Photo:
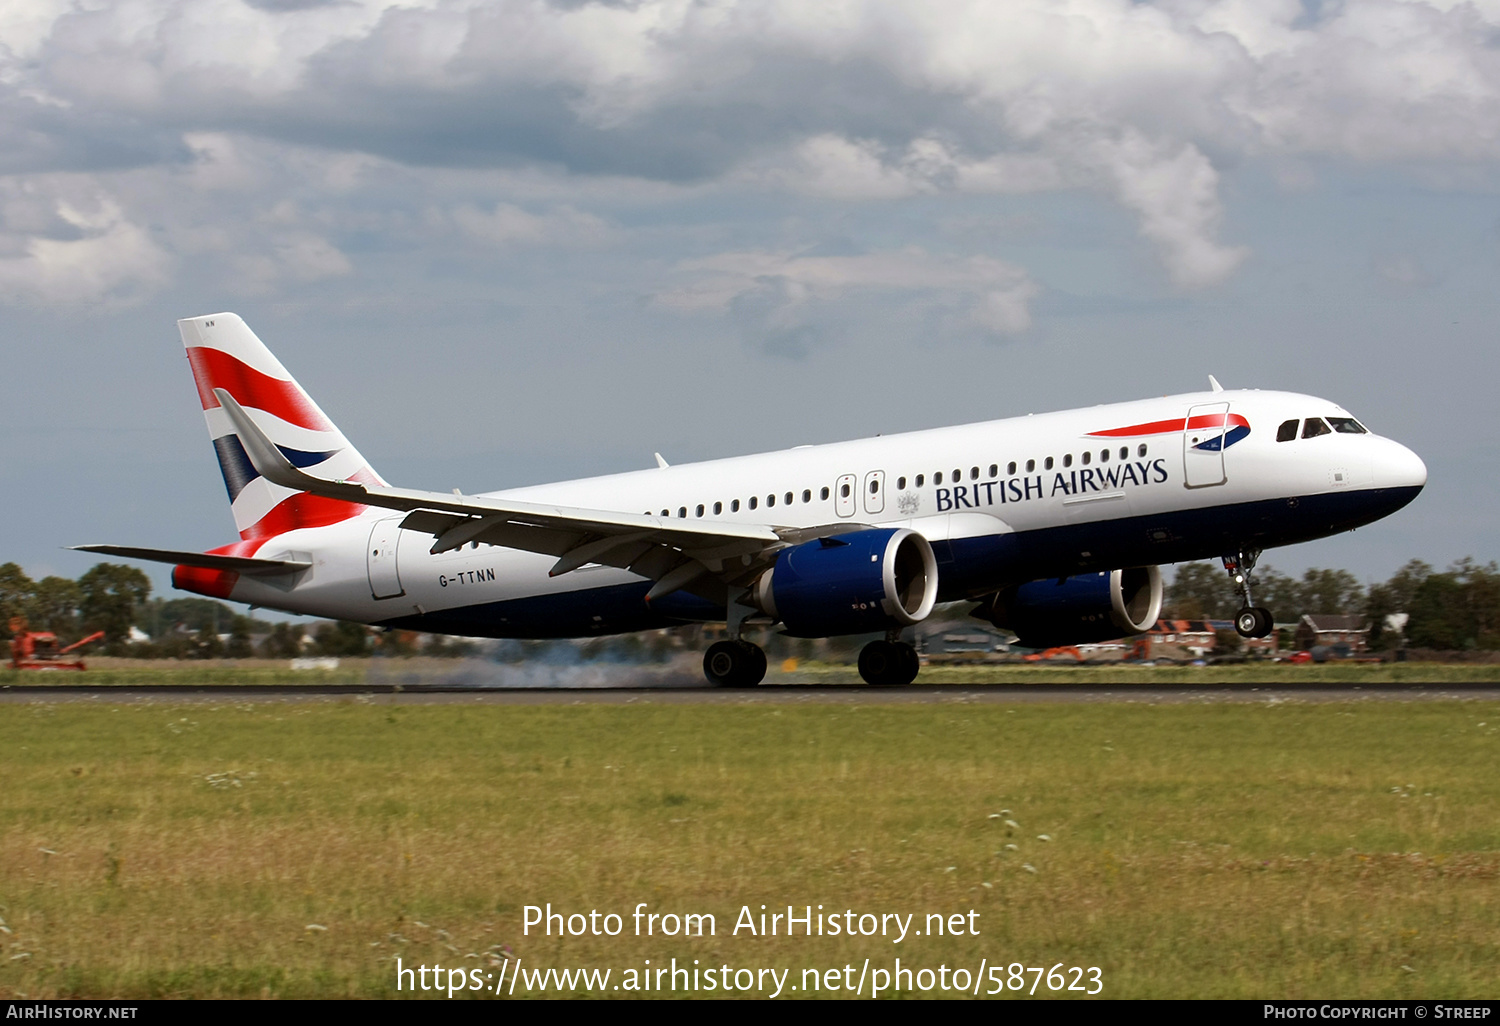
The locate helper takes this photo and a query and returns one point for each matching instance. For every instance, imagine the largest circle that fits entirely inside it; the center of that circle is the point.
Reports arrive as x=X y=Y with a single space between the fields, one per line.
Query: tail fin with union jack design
x=225 y=353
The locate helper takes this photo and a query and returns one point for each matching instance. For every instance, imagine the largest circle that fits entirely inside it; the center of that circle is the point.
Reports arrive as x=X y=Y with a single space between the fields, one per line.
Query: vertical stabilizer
x=225 y=353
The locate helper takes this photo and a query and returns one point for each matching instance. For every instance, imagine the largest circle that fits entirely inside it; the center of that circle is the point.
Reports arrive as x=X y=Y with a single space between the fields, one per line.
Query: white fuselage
x=1002 y=502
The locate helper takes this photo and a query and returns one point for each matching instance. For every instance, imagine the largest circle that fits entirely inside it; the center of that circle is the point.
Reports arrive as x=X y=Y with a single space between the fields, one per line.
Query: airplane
x=1055 y=525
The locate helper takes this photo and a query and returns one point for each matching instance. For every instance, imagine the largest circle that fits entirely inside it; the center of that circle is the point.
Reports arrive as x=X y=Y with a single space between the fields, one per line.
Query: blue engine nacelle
x=853 y=583
x=1078 y=610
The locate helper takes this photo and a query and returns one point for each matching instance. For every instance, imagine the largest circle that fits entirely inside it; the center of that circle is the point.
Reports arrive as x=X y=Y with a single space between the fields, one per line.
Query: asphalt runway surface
x=835 y=694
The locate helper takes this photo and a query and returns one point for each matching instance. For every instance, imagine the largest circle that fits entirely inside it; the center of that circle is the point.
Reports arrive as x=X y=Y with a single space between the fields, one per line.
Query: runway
x=425 y=694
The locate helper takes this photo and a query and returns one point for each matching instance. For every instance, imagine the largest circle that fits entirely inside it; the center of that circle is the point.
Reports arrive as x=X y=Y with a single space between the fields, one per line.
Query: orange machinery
x=37 y=650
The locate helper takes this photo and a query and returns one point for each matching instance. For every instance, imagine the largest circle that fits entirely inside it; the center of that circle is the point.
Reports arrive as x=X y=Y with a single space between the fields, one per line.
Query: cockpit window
x=1287 y=431
x=1347 y=426
x=1314 y=427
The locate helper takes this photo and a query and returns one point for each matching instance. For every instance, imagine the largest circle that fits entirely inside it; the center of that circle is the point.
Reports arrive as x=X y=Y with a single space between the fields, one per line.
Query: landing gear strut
x=888 y=662
x=734 y=664
x=1251 y=621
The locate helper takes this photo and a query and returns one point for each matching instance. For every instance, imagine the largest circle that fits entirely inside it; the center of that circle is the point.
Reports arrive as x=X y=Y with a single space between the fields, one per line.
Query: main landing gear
x=734 y=664
x=888 y=662
x=1251 y=621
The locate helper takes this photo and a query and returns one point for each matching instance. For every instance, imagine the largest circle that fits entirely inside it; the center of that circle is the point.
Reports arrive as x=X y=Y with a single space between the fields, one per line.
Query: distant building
x=1345 y=635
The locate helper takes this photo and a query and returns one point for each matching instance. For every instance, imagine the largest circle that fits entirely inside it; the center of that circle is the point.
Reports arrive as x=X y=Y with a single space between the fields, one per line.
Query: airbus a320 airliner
x=1053 y=524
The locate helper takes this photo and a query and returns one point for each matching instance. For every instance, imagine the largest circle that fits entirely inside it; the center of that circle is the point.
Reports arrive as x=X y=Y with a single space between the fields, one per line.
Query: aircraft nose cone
x=1399 y=467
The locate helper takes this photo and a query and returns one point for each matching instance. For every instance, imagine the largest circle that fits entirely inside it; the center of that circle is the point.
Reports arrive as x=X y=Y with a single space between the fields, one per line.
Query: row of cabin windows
x=1312 y=427
x=958 y=475
x=1011 y=468
x=752 y=503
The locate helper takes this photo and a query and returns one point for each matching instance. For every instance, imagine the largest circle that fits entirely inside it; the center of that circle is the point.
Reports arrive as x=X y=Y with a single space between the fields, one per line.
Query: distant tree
x=54 y=606
x=16 y=591
x=284 y=642
x=343 y=639
x=1332 y=593
x=111 y=593
x=239 y=646
x=1281 y=594
x=1459 y=608
x=192 y=614
x=1201 y=591
x=396 y=643
x=207 y=644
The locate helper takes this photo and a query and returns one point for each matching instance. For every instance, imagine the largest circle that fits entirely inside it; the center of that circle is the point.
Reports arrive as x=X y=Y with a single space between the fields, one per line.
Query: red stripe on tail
x=214 y=368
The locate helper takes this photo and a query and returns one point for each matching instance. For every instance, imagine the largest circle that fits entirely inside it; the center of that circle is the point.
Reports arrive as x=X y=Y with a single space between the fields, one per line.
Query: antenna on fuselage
x=1213 y=383
x=663 y=464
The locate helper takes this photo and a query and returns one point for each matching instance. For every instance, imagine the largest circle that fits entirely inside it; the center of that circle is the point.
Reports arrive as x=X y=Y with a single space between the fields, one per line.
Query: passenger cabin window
x=788 y=498
x=1141 y=452
x=973 y=473
x=1313 y=427
x=1347 y=426
x=900 y=483
x=1124 y=453
x=807 y=495
x=1030 y=466
x=754 y=501
x=824 y=493
x=682 y=511
x=920 y=478
x=874 y=486
x=699 y=511
x=1068 y=460
x=734 y=505
x=1087 y=458
x=843 y=491
x=1287 y=431
x=958 y=475
x=666 y=512
x=718 y=508
x=937 y=478
x=994 y=470
x=1047 y=464
x=1010 y=468
x=770 y=501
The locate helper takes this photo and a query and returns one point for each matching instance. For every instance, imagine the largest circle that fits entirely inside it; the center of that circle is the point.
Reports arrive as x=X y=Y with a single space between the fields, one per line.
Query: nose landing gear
x=1251 y=621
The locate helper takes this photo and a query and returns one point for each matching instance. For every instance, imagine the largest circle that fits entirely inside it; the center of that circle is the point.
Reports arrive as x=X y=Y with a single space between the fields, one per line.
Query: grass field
x=1345 y=849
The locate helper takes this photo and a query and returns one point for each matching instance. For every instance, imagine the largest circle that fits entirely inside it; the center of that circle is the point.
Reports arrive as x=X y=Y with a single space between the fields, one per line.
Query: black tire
x=885 y=663
x=734 y=664
x=1267 y=622
x=1247 y=622
x=910 y=664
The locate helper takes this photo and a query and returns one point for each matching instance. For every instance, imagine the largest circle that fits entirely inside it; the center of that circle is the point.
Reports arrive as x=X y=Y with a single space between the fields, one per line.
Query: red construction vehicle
x=37 y=650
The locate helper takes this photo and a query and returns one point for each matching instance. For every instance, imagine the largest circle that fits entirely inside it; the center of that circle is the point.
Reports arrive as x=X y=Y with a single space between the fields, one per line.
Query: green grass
x=1345 y=849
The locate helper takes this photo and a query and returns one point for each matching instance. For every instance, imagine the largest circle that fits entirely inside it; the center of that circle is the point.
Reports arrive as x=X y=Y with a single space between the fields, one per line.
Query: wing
x=713 y=559
x=243 y=564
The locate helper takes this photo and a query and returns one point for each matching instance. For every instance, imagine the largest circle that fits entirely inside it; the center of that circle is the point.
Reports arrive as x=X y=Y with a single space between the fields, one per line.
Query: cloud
x=778 y=290
x=510 y=225
x=88 y=253
x=1146 y=104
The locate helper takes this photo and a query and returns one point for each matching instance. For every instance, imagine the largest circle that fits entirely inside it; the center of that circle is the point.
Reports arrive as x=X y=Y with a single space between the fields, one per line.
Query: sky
x=504 y=243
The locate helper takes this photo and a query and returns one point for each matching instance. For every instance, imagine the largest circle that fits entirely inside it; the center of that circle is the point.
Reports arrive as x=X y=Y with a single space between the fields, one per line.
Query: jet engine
x=1079 y=609
x=853 y=583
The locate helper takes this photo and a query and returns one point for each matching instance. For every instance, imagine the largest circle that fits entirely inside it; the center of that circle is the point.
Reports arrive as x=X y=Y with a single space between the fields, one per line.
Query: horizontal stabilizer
x=207 y=560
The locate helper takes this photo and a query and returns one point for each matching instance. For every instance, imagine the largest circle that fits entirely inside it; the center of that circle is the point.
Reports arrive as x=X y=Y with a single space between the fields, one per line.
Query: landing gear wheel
x=1253 y=622
x=888 y=663
x=734 y=664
